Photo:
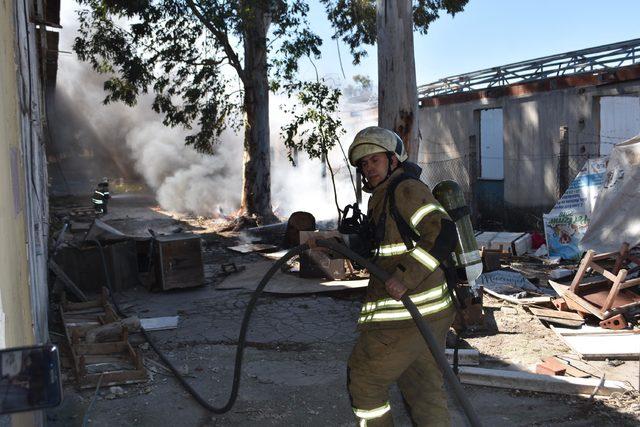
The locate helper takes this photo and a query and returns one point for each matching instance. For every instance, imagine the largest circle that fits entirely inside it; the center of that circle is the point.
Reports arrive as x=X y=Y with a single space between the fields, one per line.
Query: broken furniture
x=603 y=298
x=111 y=363
x=83 y=265
x=177 y=262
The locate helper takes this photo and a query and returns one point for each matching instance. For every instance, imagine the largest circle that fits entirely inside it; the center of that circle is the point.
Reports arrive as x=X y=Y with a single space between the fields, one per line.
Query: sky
x=489 y=33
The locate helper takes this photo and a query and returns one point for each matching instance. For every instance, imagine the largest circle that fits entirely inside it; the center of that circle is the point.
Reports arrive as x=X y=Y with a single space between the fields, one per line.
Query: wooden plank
x=584 y=264
x=575 y=362
x=113 y=378
x=572 y=370
x=556 y=313
x=630 y=283
x=541 y=383
x=599 y=346
x=563 y=322
x=601 y=270
x=101 y=348
x=68 y=283
x=590 y=308
x=519 y=301
x=594 y=330
x=615 y=289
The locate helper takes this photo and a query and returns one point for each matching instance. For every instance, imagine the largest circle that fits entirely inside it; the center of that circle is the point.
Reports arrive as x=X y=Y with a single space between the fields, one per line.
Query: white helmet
x=373 y=140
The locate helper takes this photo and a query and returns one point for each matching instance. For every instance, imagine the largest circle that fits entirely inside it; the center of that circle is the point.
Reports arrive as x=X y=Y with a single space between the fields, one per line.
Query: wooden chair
x=615 y=280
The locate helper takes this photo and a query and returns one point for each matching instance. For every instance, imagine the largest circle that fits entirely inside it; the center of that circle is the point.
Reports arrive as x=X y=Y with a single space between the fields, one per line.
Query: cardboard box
x=514 y=243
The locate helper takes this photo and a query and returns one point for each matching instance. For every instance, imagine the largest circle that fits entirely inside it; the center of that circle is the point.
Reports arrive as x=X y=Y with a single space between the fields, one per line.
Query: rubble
x=301 y=340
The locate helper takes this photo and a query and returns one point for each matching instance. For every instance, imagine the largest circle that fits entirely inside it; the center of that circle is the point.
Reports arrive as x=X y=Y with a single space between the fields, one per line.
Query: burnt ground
x=295 y=363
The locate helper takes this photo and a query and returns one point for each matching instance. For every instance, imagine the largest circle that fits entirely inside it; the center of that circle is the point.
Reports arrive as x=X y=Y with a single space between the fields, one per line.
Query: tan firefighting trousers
x=384 y=356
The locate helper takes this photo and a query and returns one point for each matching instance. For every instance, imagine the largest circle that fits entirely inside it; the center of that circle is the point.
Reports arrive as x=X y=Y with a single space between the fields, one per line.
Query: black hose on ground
x=377 y=272
x=241 y=338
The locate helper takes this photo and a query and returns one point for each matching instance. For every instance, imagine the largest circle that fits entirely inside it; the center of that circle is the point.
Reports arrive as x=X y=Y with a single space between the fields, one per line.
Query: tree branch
x=222 y=38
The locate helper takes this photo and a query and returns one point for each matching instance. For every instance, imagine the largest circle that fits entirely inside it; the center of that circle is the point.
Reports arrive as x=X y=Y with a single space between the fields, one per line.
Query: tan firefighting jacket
x=416 y=268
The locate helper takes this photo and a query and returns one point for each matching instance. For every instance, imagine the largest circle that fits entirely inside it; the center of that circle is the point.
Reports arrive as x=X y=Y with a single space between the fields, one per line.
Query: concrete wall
x=535 y=152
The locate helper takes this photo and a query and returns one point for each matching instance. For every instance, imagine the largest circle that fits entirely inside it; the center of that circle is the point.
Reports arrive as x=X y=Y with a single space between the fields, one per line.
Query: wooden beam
x=584 y=304
x=615 y=289
x=545 y=312
x=68 y=283
x=584 y=264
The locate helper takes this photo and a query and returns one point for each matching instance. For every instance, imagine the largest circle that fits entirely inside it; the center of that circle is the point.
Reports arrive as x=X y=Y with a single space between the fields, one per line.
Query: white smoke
x=183 y=179
x=187 y=181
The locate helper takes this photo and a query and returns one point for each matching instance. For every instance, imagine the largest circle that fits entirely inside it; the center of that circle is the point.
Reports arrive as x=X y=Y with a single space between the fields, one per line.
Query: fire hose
x=332 y=245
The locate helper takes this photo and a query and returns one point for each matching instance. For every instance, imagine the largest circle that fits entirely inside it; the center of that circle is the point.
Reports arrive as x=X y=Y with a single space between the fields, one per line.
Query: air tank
x=467 y=256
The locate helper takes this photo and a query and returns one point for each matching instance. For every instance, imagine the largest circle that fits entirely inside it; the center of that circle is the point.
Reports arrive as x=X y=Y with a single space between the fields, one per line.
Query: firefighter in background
x=101 y=197
x=390 y=348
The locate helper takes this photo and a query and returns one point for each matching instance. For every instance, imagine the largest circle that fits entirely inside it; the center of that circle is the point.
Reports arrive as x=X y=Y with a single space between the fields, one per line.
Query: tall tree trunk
x=397 y=90
x=256 y=179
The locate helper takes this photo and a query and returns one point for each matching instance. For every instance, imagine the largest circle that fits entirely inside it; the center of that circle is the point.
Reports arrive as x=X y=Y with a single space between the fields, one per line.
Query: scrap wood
x=578 y=367
x=542 y=383
x=571 y=370
x=519 y=301
x=91 y=361
x=599 y=299
x=68 y=283
x=550 y=366
x=598 y=344
x=112 y=330
x=555 y=316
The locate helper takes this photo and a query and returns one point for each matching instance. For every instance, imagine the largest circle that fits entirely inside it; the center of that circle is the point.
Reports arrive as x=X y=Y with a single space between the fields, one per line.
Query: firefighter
x=390 y=348
x=101 y=197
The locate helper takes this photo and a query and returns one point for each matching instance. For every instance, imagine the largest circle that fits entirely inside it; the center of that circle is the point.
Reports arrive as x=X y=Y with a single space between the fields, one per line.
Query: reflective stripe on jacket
x=417 y=269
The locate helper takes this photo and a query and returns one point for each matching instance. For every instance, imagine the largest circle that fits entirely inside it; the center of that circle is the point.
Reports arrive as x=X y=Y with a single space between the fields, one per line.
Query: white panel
x=619 y=120
x=491 y=144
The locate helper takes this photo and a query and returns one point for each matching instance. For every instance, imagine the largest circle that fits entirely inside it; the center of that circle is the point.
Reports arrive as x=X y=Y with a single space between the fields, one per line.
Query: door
x=491 y=180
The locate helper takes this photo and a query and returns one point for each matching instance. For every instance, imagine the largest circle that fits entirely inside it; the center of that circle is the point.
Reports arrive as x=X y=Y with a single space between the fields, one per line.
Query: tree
x=391 y=24
x=207 y=62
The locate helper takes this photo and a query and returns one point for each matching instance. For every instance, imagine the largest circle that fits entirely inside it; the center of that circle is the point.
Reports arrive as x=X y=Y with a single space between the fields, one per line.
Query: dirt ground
x=294 y=370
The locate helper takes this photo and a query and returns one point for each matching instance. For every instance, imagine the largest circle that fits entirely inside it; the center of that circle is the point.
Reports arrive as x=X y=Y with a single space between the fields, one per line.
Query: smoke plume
x=131 y=142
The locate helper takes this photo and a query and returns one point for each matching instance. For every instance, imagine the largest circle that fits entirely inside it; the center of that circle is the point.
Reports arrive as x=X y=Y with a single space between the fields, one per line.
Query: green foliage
x=314 y=127
x=189 y=55
x=364 y=81
x=354 y=21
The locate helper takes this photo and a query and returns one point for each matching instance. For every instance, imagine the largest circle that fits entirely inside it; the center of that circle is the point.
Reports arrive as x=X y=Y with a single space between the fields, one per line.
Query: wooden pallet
x=110 y=363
